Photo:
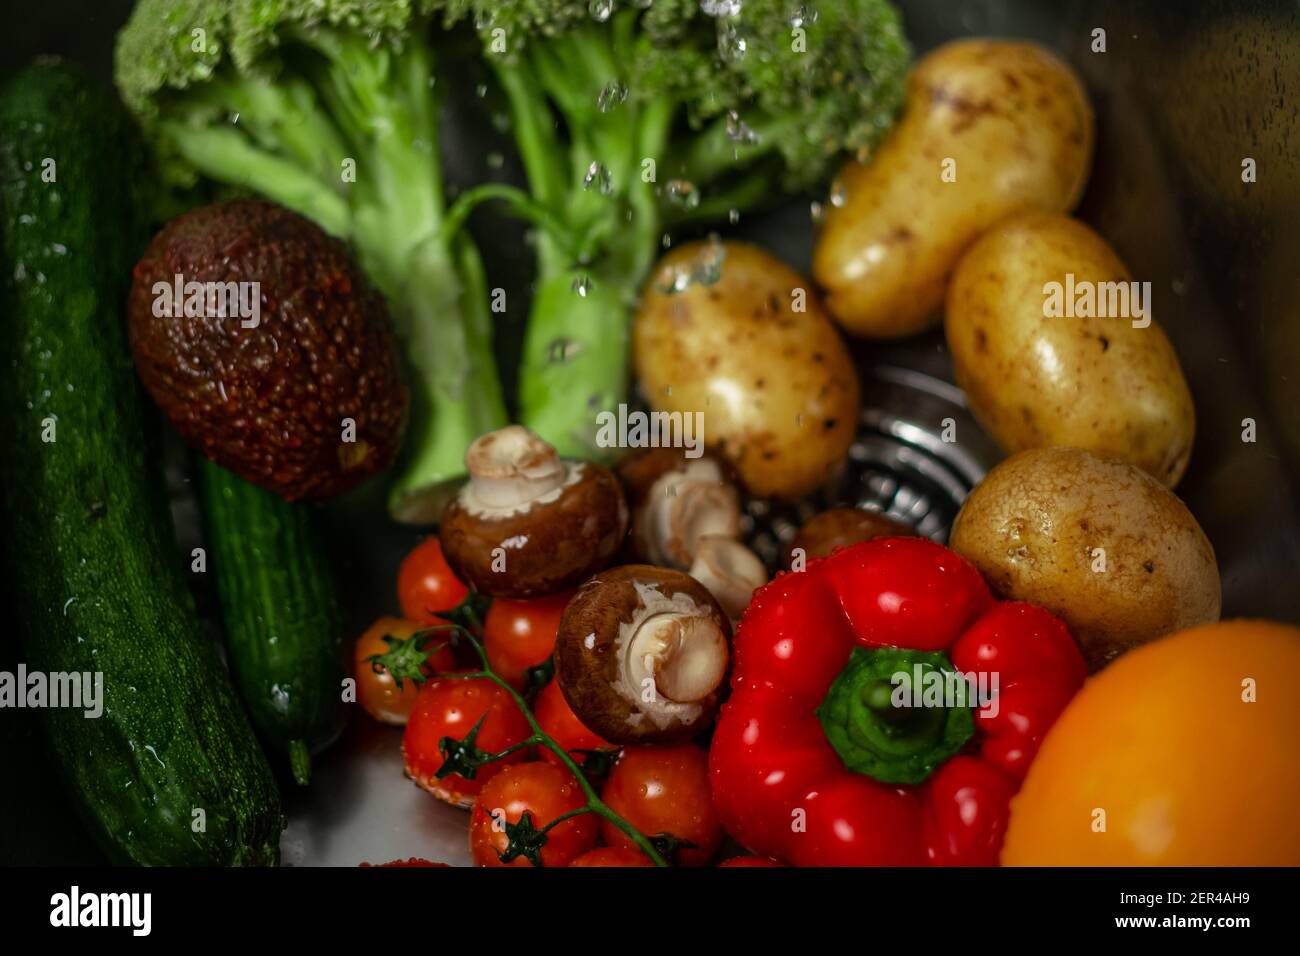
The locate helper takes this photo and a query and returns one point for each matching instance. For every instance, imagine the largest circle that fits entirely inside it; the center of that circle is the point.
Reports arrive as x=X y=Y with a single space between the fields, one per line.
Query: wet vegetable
x=1039 y=374
x=300 y=393
x=753 y=355
x=1099 y=543
x=990 y=128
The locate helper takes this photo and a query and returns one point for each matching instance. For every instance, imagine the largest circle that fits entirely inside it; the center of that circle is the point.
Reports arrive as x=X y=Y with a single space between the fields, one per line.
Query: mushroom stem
x=729 y=570
x=685 y=505
x=511 y=467
x=685 y=655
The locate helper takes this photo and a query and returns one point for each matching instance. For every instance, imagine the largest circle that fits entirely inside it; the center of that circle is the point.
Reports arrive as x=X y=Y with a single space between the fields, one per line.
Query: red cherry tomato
x=612 y=856
x=664 y=790
x=518 y=635
x=377 y=691
x=740 y=861
x=426 y=585
x=450 y=707
x=562 y=724
x=410 y=861
x=544 y=793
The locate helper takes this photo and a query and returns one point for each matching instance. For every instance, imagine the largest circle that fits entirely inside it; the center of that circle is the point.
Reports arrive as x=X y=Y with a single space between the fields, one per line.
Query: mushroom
x=729 y=570
x=528 y=523
x=641 y=654
x=675 y=501
x=839 y=528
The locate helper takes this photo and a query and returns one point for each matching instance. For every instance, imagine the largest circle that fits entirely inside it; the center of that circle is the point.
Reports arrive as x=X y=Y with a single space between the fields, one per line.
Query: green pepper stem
x=883 y=737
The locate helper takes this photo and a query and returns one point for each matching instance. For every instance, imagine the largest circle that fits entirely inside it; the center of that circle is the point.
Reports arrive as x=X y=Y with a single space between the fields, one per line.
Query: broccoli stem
x=575 y=354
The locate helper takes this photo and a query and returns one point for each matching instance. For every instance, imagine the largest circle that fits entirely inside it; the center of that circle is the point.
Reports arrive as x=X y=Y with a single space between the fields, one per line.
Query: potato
x=1009 y=121
x=1100 y=543
x=1100 y=384
x=746 y=342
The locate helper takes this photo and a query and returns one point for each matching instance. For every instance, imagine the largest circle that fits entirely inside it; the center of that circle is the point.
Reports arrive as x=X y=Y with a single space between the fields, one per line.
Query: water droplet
x=738 y=131
x=721 y=8
x=732 y=44
x=598 y=173
x=703 y=269
x=481 y=91
x=818 y=211
x=613 y=94
x=581 y=285
x=682 y=192
x=234 y=119
x=839 y=194
x=601 y=10
x=495 y=160
x=563 y=350
x=803 y=16
x=733 y=216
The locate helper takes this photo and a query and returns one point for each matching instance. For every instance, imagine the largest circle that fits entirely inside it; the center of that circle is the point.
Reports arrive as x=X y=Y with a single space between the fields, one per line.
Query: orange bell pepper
x=1185 y=752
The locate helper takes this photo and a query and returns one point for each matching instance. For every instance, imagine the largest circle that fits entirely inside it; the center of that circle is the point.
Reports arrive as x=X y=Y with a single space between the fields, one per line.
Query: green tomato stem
x=542 y=738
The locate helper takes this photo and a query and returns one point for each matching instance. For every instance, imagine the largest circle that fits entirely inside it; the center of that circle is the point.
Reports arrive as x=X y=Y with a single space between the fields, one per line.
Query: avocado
x=260 y=338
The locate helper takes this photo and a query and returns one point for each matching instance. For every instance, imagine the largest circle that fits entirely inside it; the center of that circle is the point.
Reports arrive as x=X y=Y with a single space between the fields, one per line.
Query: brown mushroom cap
x=527 y=523
x=839 y=528
x=641 y=655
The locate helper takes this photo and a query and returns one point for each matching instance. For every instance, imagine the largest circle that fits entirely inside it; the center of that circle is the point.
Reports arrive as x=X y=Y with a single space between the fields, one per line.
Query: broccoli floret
x=328 y=107
x=635 y=116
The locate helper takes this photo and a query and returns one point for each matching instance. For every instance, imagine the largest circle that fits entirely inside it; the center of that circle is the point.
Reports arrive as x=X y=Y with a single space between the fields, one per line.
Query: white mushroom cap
x=729 y=570
x=510 y=470
x=682 y=506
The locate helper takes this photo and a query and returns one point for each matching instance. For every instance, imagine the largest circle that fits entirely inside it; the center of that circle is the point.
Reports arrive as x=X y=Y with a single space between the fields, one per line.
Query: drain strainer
x=917 y=454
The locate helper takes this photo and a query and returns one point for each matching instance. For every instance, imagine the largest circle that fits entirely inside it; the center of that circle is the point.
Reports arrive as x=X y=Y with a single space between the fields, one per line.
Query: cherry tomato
x=426 y=585
x=518 y=635
x=612 y=856
x=739 y=861
x=377 y=691
x=664 y=790
x=544 y=793
x=450 y=707
x=410 y=861
x=562 y=724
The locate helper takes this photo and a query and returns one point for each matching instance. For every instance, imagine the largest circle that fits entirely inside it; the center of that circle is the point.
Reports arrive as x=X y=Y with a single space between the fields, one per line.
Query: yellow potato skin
x=1017 y=122
x=1032 y=381
x=777 y=387
x=1033 y=525
x=1188 y=771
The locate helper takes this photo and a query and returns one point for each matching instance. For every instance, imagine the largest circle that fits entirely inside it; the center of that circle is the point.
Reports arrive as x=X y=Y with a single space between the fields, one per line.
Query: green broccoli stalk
x=328 y=107
x=632 y=117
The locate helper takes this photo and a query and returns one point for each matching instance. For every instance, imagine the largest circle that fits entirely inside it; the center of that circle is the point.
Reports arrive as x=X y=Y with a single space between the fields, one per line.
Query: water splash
x=598 y=174
x=613 y=94
x=682 y=193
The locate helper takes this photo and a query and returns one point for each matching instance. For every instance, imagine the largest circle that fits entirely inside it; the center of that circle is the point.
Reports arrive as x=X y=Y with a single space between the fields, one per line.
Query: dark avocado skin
x=270 y=403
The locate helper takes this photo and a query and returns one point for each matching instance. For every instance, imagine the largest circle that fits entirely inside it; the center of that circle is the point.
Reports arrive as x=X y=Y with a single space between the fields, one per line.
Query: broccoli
x=329 y=107
x=636 y=116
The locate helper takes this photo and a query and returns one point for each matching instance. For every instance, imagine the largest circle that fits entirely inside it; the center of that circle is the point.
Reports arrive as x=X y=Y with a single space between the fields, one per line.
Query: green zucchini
x=284 y=631
x=170 y=772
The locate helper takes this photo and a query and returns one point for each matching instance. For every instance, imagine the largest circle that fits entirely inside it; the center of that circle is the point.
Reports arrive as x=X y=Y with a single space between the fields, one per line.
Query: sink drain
x=917 y=454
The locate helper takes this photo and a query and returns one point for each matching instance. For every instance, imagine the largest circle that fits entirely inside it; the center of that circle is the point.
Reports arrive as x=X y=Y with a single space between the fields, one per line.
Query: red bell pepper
x=851 y=738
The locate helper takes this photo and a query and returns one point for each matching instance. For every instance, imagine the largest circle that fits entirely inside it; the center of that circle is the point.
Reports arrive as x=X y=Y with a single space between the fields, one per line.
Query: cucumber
x=284 y=630
x=170 y=773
